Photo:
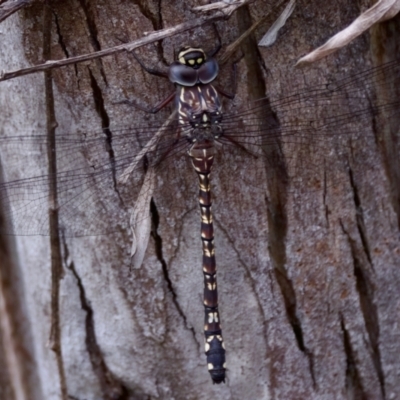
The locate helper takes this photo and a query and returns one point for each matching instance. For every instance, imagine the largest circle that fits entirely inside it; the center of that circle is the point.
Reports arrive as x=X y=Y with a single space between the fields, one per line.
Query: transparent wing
x=99 y=175
x=96 y=181
x=311 y=132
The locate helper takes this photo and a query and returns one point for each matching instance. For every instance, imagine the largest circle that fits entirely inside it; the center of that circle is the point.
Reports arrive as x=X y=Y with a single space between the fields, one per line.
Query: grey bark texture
x=309 y=280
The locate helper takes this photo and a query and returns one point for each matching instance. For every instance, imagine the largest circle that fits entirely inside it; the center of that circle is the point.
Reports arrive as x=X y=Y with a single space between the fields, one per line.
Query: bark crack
x=365 y=289
x=61 y=41
x=387 y=138
x=324 y=196
x=158 y=244
x=53 y=217
x=152 y=11
x=93 y=33
x=112 y=389
x=360 y=218
x=60 y=36
x=353 y=382
x=105 y=124
x=289 y=298
x=277 y=181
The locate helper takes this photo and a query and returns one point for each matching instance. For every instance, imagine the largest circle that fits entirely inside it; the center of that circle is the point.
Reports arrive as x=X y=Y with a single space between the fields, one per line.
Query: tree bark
x=308 y=279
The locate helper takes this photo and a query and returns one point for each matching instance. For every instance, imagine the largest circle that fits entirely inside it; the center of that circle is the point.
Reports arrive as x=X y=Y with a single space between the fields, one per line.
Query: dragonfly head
x=193 y=68
x=192 y=57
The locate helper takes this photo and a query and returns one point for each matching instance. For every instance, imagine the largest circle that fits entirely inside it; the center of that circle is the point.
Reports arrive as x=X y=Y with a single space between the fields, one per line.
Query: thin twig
x=150 y=38
x=233 y=46
x=226 y=6
x=11 y=6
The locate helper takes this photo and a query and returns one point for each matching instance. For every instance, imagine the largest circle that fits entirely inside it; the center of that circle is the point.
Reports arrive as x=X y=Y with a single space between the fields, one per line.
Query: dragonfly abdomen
x=202 y=155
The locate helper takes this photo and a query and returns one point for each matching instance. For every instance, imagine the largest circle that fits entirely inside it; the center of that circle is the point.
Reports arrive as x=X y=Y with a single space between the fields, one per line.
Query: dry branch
x=226 y=6
x=10 y=7
x=150 y=38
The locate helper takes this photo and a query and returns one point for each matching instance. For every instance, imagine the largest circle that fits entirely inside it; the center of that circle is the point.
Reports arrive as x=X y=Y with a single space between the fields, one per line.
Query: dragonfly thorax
x=204 y=127
x=199 y=113
x=206 y=120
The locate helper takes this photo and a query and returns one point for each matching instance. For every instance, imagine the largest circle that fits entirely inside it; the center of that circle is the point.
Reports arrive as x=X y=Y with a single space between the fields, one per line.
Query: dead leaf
x=270 y=37
x=381 y=11
x=140 y=221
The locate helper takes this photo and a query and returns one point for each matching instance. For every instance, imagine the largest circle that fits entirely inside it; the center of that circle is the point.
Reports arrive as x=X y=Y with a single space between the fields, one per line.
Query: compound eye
x=208 y=71
x=184 y=75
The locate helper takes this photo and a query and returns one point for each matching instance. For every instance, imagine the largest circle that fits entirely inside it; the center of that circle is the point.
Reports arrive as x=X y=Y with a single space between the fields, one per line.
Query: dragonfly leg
x=151 y=110
x=152 y=71
x=224 y=93
x=214 y=52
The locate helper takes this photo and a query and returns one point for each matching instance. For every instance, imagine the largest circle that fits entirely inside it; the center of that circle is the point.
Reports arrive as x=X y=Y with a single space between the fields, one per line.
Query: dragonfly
x=98 y=175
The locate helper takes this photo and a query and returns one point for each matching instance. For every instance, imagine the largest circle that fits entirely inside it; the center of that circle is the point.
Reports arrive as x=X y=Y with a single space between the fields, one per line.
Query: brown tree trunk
x=308 y=279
